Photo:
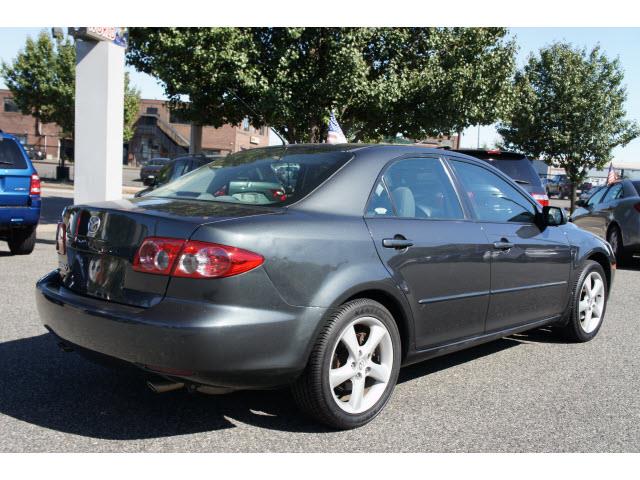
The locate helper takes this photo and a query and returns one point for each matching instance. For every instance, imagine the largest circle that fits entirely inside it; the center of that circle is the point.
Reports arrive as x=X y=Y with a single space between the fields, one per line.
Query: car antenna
x=252 y=110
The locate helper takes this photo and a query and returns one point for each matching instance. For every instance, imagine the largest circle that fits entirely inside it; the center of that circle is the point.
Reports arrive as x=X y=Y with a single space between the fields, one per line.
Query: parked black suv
x=517 y=166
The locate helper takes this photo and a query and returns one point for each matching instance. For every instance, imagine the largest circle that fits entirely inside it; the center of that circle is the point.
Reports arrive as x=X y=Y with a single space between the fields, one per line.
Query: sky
x=616 y=42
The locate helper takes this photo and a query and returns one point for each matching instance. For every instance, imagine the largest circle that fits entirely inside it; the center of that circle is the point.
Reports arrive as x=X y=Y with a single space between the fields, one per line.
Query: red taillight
x=61 y=238
x=495 y=151
x=34 y=188
x=157 y=255
x=210 y=260
x=541 y=199
x=637 y=207
x=193 y=259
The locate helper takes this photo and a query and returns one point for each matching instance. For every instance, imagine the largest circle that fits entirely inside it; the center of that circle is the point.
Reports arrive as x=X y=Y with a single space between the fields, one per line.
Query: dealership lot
x=523 y=393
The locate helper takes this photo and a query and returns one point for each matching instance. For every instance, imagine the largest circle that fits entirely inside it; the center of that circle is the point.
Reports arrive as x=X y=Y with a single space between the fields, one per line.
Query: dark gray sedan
x=322 y=267
x=613 y=213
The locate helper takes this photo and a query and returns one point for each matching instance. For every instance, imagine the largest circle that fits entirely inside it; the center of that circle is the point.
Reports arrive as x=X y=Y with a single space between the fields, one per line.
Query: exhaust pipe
x=163 y=387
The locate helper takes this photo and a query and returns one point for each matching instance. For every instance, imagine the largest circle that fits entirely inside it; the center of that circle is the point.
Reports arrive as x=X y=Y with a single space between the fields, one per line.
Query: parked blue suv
x=19 y=197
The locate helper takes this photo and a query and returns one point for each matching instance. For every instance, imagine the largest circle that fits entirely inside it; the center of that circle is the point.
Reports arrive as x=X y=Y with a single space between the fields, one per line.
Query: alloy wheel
x=591 y=303
x=361 y=365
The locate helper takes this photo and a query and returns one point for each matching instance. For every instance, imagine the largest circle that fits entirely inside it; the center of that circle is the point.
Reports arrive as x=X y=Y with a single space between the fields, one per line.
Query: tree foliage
x=379 y=81
x=131 y=104
x=42 y=82
x=569 y=110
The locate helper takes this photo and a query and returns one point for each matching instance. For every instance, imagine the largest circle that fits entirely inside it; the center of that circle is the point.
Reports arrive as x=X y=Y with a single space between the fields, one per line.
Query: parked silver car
x=613 y=213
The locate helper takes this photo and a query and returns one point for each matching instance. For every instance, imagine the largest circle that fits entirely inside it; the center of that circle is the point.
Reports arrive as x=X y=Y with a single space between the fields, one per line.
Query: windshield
x=269 y=176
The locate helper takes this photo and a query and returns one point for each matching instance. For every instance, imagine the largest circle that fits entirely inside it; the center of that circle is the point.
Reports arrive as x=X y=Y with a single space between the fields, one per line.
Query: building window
x=10 y=105
x=263 y=130
x=245 y=124
x=152 y=110
x=175 y=116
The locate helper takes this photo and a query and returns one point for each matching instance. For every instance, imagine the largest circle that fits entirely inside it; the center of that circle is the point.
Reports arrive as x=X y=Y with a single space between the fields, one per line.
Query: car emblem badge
x=93 y=226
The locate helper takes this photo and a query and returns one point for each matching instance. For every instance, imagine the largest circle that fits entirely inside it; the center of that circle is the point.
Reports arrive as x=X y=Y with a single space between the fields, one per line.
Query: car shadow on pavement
x=44 y=386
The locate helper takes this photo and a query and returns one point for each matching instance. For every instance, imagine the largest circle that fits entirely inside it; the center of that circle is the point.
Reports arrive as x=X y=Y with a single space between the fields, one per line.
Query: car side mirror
x=150 y=181
x=581 y=203
x=554 y=216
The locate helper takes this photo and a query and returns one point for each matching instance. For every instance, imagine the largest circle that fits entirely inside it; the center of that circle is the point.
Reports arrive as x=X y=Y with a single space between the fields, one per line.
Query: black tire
x=312 y=391
x=573 y=330
x=22 y=241
x=614 y=237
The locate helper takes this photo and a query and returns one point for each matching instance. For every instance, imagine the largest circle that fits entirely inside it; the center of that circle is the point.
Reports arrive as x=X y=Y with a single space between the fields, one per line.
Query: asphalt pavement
x=528 y=392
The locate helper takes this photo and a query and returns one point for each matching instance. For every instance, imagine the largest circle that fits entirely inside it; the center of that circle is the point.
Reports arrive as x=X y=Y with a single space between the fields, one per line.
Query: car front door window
x=491 y=197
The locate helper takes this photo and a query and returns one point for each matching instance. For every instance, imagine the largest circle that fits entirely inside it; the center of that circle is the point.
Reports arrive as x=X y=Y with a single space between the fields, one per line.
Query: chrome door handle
x=397 y=243
x=502 y=245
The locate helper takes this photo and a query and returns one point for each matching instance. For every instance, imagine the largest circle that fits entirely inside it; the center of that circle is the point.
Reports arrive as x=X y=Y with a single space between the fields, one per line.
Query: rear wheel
x=353 y=367
x=22 y=241
x=589 y=304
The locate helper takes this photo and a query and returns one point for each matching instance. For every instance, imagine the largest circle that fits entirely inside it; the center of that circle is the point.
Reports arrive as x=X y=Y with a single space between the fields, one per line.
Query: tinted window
x=420 y=188
x=492 y=198
x=596 y=197
x=637 y=187
x=257 y=177
x=10 y=155
x=614 y=192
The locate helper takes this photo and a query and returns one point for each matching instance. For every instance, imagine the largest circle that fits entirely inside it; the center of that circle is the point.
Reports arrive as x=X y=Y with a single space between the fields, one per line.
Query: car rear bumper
x=219 y=345
x=15 y=217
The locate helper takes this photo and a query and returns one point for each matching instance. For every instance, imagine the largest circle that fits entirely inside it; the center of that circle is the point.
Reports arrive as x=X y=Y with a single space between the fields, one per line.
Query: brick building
x=36 y=136
x=158 y=133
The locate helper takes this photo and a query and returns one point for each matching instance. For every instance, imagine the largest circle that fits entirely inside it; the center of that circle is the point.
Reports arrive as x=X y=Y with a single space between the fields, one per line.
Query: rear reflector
x=637 y=207
x=34 y=188
x=193 y=259
x=541 y=199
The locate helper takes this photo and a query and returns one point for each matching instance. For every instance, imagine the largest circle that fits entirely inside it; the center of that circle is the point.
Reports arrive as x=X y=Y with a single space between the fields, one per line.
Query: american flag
x=612 y=176
x=335 y=134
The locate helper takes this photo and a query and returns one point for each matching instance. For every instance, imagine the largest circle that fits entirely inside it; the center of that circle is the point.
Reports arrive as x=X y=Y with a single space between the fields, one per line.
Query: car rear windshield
x=270 y=176
x=637 y=185
x=10 y=155
x=515 y=165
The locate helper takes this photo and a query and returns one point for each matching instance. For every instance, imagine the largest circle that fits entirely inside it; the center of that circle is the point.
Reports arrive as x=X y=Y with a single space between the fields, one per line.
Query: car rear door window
x=596 y=197
x=380 y=203
x=614 y=193
x=492 y=198
x=419 y=188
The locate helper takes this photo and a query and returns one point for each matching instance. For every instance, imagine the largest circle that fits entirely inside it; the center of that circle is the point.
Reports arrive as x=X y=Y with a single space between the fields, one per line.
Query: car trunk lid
x=102 y=240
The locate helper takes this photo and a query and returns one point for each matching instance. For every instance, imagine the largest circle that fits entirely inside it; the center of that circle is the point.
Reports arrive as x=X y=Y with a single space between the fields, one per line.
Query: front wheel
x=589 y=304
x=353 y=367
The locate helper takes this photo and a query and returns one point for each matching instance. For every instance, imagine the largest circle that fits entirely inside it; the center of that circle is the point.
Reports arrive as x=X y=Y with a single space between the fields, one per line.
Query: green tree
x=569 y=110
x=379 y=81
x=42 y=82
x=131 y=104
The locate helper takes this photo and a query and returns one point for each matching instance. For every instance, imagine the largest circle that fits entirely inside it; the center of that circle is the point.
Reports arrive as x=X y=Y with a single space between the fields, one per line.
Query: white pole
x=98 y=121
